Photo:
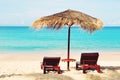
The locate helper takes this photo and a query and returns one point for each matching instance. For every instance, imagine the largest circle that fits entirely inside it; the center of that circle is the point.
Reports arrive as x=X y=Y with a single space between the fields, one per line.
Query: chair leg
x=41 y=66
x=59 y=70
x=44 y=71
x=98 y=69
x=77 y=66
x=84 y=69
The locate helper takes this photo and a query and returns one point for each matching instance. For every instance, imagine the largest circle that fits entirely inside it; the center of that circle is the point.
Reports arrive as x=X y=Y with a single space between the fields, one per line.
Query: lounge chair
x=88 y=61
x=50 y=64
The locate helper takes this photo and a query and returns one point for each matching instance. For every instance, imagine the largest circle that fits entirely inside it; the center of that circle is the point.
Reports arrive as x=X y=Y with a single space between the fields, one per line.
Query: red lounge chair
x=88 y=61
x=50 y=64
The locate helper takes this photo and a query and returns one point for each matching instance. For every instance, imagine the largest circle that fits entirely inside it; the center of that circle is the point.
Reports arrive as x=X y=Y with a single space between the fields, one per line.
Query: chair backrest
x=89 y=58
x=51 y=61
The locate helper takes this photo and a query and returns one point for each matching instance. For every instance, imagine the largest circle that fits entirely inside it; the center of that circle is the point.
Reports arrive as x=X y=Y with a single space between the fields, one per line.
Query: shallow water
x=23 y=38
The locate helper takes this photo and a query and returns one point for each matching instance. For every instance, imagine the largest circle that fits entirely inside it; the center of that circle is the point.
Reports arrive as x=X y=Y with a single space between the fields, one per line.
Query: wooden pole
x=68 y=53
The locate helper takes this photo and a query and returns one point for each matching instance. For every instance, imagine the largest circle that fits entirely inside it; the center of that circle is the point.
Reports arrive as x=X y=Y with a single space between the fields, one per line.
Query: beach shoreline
x=38 y=55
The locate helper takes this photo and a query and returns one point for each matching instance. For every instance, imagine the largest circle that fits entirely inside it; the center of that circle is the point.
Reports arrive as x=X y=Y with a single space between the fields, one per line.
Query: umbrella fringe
x=69 y=18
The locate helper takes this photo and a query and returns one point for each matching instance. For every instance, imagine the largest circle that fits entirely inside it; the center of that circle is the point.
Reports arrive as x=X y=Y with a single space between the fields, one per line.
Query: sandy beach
x=33 y=29
x=26 y=66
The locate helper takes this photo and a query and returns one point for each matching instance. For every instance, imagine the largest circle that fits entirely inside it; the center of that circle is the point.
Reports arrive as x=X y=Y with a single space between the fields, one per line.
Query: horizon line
x=29 y=26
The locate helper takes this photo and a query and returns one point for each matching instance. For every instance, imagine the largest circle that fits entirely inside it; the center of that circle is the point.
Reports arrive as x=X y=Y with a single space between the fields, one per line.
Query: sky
x=25 y=12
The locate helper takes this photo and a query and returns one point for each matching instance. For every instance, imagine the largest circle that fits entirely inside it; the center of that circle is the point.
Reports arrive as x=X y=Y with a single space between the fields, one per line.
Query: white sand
x=13 y=65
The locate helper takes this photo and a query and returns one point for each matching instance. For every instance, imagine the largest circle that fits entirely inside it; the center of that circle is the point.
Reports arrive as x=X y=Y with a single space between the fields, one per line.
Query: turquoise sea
x=23 y=38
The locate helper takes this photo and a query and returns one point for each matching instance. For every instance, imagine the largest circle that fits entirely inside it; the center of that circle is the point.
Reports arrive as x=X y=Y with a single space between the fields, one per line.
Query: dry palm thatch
x=69 y=18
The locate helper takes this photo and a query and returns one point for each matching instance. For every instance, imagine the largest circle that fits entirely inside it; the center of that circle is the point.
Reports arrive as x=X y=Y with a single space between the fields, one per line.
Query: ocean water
x=23 y=38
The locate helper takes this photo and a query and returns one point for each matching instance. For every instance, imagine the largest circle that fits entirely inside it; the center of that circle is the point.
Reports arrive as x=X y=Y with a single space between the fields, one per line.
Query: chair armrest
x=41 y=65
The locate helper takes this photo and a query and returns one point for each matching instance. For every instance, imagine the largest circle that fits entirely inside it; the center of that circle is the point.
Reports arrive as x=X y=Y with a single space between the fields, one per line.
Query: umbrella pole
x=68 y=54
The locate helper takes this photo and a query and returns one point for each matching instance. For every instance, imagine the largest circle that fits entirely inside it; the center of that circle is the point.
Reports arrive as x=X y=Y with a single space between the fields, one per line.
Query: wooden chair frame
x=50 y=64
x=88 y=61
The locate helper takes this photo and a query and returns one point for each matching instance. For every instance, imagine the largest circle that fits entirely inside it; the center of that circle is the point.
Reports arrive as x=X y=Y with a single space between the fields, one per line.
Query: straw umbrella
x=69 y=18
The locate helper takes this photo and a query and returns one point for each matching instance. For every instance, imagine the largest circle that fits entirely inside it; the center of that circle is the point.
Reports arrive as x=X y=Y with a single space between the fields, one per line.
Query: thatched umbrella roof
x=69 y=18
